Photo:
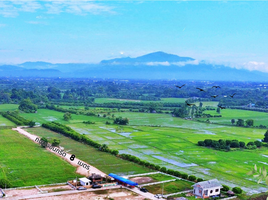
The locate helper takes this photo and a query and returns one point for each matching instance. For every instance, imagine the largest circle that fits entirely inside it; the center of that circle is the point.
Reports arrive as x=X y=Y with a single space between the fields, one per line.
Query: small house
x=205 y=189
x=95 y=178
x=84 y=181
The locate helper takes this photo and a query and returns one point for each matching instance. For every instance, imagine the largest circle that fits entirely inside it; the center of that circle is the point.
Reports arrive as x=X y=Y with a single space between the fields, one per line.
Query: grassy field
x=6 y=107
x=172 y=144
x=44 y=115
x=110 y=100
x=228 y=114
x=103 y=161
x=25 y=163
x=5 y=122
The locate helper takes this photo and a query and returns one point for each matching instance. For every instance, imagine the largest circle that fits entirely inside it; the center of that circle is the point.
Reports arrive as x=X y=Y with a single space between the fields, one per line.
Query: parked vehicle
x=158 y=196
x=143 y=189
x=96 y=186
x=81 y=188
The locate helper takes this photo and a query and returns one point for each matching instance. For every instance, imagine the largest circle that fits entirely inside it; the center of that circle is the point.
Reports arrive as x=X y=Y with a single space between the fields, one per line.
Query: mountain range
x=157 y=65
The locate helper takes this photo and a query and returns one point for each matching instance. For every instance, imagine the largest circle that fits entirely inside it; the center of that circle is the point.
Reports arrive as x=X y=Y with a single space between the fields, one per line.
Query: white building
x=206 y=189
x=84 y=181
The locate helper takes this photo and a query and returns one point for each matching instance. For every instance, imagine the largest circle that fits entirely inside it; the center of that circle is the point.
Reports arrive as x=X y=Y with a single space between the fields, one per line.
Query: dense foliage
x=17 y=119
x=227 y=144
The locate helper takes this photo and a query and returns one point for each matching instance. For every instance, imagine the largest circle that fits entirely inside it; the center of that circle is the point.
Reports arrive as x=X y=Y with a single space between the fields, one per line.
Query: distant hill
x=151 y=57
x=157 y=65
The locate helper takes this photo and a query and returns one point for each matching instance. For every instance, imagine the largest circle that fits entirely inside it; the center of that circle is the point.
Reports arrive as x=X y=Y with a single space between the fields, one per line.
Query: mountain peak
x=158 y=56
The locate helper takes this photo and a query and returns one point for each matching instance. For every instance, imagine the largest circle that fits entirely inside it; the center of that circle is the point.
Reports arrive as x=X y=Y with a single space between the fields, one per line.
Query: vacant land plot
x=169 y=187
x=101 y=160
x=228 y=114
x=26 y=163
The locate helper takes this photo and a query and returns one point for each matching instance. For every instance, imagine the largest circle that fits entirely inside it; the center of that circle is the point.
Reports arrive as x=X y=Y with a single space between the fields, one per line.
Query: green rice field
x=8 y=107
x=25 y=163
x=228 y=114
x=166 y=141
x=101 y=160
x=5 y=122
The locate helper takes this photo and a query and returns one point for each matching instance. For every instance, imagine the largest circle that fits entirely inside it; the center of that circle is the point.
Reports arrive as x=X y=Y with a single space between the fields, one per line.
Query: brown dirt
x=126 y=195
x=140 y=180
x=24 y=192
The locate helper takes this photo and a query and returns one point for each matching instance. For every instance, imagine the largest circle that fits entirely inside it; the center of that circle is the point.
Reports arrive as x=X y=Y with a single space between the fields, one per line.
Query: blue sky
x=82 y=31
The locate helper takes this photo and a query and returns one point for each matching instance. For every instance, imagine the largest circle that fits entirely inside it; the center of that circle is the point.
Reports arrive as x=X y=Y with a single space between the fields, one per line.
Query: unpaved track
x=80 y=170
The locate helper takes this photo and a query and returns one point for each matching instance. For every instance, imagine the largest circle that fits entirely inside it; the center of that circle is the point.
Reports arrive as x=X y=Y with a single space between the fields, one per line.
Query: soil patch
x=140 y=180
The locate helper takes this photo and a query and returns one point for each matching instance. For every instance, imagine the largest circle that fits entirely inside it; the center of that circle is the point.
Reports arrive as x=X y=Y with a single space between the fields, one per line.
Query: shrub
x=258 y=143
x=192 y=178
x=199 y=180
x=225 y=188
x=207 y=142
x=237 y=190
x=250 y=143
x=184 y=176
x=242 y=144
x=163 y=169
x=201 y=143
x=4 y=183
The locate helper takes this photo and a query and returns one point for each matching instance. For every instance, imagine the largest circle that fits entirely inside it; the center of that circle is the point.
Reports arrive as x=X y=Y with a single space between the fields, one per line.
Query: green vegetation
x=170 y=187
x=25 y=163
x=101 y=160
x=26 y=105
x=17 y=119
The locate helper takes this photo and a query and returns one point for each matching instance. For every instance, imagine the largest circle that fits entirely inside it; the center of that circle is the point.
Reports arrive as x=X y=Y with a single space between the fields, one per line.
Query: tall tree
x=240 y=122
x=232 y=121
x=265 y=139
x=250 y=122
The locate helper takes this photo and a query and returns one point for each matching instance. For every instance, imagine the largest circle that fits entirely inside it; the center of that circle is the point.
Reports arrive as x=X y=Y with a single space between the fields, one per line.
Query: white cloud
x=12 y=8
x=158 y=63
x=180 y=64
x=253 y=65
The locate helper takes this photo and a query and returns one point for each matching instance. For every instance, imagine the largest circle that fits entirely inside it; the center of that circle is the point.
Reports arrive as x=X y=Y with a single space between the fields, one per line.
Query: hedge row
x=227 y=144
x=14 y=117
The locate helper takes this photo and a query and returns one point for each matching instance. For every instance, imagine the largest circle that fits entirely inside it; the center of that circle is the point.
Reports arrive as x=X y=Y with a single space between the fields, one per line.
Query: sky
x=233 y=33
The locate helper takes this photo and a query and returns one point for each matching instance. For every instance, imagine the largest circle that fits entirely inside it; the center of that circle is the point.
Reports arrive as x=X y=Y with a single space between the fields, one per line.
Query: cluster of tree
x=67 y=116
x=236 y=190
x=121 y=121
x=209 y=115
x=88 y=122
x=227 y=144
x=17 y=119
x=26 y=105
x=70 y=110
x=84 y=91
x=241 y=122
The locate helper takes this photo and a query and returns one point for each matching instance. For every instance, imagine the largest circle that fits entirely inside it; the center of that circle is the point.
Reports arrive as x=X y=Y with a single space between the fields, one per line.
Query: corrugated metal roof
x=85 y=180
x=208 y=184
x=127 y=181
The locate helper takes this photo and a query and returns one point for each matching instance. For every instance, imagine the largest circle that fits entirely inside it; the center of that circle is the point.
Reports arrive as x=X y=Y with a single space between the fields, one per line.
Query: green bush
x=225 y=188
x=237 y=190
x=184 y=176
x=4 y=183
x=199 y=180
x=192 y=178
